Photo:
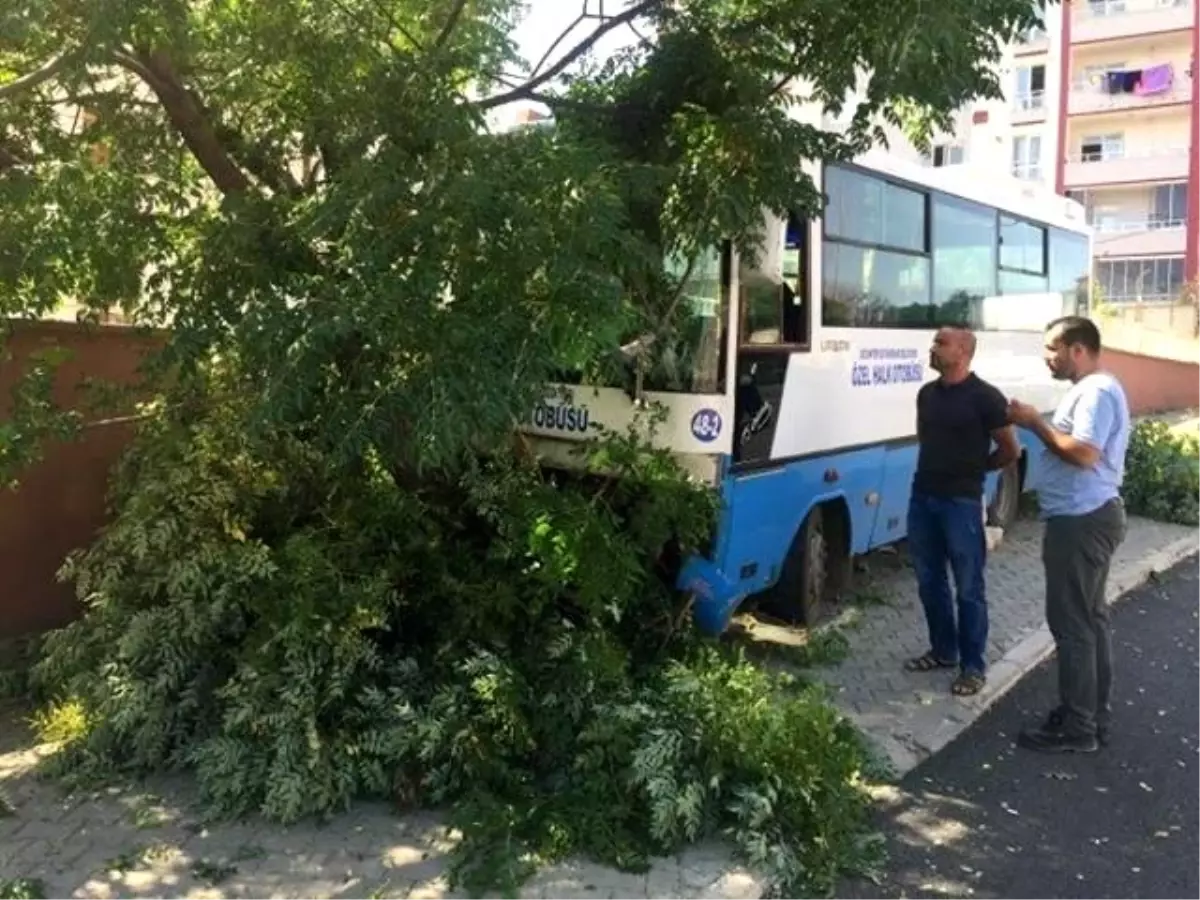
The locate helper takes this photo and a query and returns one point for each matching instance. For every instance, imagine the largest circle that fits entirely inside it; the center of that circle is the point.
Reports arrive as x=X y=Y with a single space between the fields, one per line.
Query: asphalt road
x=984 y=818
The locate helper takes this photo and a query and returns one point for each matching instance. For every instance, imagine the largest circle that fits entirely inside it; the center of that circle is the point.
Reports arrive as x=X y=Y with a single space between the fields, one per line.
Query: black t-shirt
x=954 y=430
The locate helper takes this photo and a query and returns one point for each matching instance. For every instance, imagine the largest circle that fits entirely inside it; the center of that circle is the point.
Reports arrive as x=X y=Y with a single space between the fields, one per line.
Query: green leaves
x=328 y=574
x=32 y=416
x=1162 y=474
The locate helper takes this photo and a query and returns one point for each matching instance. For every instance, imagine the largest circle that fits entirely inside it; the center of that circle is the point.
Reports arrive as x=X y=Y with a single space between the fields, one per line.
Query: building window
x=1170 y=206
x=1157 y=280
x=1106 y=7
x=1093 y=76
x=1027 y=157
x=947 y=155
x=1097 y=148
x=1086 y=199
x=869 y=210
x=1031 y=88
x=964 y=260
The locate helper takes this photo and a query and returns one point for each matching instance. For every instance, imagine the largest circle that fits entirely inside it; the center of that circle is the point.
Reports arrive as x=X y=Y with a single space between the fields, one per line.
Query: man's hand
x=1024 y=414
x=1064 y=446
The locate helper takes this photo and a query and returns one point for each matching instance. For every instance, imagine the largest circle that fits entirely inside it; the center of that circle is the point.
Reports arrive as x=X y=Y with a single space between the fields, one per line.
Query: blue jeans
x=950 y=530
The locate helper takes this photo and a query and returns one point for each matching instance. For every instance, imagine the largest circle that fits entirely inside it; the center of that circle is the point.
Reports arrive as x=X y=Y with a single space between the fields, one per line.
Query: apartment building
x=1130 y=141
x=1103 y=105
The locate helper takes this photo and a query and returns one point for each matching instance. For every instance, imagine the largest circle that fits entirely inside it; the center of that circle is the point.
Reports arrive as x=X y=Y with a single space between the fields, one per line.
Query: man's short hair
x=1078 y=330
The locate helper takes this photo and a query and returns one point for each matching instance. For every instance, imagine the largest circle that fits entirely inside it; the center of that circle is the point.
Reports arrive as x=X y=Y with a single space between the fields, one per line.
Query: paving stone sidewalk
x=911 y=715
x=148 y=841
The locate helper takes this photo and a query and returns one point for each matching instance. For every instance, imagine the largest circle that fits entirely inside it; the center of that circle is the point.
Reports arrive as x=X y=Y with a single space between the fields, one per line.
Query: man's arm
x=922 y=394
x=1007 y=449
x=1091 y=425
x=995 y=419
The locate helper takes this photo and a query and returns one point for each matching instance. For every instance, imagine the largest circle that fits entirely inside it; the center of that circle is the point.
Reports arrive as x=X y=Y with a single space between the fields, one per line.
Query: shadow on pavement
x=986 y=819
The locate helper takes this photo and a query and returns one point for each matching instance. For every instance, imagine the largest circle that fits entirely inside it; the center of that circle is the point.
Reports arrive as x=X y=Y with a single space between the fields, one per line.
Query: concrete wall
x=60 y=502
x=1165 y=330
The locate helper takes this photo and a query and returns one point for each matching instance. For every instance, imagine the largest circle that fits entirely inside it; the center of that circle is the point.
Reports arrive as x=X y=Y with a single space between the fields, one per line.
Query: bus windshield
x=680 y=350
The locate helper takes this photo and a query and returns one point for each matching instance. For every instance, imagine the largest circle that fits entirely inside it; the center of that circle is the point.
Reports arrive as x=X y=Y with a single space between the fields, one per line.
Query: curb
x=1028 y=653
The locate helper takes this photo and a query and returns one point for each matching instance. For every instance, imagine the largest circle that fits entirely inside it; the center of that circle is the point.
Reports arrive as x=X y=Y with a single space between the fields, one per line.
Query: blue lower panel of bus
x=763 y=510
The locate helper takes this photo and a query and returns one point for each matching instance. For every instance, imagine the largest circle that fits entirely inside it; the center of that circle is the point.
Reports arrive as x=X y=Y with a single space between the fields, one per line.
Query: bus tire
x=815 y=571
x=1004 y=507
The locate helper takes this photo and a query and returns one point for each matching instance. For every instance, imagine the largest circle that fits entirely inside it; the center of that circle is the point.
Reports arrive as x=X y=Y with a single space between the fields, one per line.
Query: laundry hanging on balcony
x=1156 y=79
x=1122 y=81
x=1151 y=80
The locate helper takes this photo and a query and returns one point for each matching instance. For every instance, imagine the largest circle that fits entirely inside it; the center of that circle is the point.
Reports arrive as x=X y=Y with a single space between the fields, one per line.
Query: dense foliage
x=32 y=415
x=333 y=570
x=1162 y=474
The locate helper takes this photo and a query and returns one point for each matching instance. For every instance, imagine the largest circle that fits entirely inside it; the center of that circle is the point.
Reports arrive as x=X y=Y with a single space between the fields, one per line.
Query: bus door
x=774 y=321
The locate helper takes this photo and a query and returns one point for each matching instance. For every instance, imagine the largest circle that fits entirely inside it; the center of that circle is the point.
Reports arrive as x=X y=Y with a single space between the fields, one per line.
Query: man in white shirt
x=1079 y=494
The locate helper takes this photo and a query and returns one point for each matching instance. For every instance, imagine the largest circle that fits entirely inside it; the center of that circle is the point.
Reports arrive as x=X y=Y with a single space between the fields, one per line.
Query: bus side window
x=774 y=291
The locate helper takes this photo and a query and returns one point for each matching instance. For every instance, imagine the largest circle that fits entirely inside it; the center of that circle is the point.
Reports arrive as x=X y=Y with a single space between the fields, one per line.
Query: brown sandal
x=967 y=684
x=927 y=662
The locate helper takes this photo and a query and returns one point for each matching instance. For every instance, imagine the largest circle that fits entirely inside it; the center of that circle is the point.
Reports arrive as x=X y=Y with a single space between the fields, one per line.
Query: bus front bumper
x=715 y=597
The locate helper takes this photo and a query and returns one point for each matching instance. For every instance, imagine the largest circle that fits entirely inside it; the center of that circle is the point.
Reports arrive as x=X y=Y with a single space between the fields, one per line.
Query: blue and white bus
x=796 y=396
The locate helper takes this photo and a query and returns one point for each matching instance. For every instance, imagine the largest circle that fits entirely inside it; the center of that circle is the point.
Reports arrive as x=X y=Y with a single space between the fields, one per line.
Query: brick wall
x=60 y=502
x=1154 y=384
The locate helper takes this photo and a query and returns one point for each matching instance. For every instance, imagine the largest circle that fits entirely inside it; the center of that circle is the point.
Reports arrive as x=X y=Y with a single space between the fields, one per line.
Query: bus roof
x=1000 y=190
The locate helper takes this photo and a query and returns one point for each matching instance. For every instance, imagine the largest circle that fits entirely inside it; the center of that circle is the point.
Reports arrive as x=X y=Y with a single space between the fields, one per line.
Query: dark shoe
x=1054 y=722
x=1045 y=740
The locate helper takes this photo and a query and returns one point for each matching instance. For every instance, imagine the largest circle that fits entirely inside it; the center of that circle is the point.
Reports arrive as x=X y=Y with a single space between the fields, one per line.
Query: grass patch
x=22 y=889
x=61 y=722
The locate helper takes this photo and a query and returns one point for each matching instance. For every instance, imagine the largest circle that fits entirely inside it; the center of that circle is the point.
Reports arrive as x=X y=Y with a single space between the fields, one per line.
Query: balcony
x=1111 y=20
x=1090 y=170
x=1033 y=42
x=1028 y=107
x=1140 y=237
x=1088 y=98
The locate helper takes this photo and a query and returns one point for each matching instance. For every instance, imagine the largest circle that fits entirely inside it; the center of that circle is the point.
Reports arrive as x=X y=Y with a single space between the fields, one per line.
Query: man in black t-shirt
x=958 y=418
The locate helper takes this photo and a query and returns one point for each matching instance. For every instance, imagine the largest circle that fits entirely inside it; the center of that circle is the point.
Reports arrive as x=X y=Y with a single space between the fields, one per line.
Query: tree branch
x=182 y=109
x=254 y=160
x=558 y=40
x=524 y=92
x=451 y=22
x=39 y=76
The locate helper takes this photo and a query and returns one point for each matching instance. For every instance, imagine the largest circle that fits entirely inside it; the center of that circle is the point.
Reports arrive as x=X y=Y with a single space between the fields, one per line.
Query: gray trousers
x=1077 y=552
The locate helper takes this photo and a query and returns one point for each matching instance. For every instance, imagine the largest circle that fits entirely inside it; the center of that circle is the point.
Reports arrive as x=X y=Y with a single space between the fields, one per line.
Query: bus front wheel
x=816 y=569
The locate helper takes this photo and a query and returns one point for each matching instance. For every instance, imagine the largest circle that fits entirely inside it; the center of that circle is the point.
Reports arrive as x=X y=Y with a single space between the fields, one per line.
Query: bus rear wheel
x=1004 y=508
x=815 y=572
